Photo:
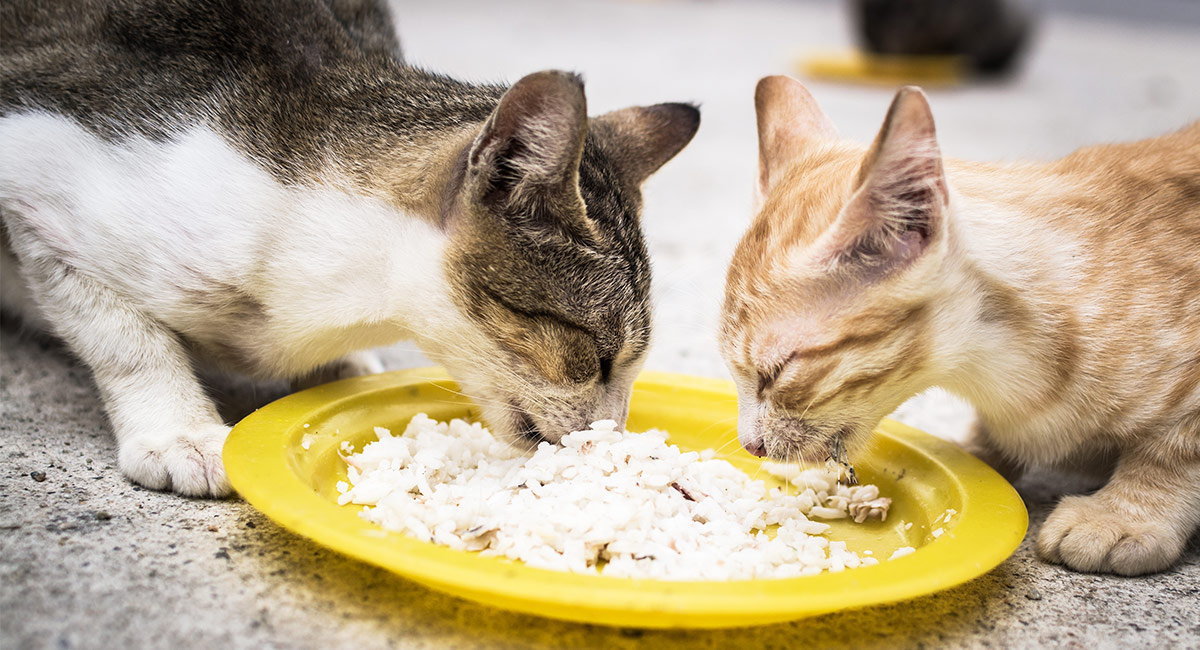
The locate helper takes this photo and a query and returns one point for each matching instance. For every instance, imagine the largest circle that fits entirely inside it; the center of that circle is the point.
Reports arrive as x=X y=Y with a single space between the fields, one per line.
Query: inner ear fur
x=532 y=142
x=901 y=195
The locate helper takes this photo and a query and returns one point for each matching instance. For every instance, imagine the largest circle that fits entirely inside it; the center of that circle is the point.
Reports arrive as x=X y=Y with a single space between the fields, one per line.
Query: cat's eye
x=605 y=369
x=767 y=378
x=763 y=382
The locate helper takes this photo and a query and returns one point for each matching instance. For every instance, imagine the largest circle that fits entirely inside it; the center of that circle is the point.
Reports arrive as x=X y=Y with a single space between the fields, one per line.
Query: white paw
x=188 y=463
x=1086 y=534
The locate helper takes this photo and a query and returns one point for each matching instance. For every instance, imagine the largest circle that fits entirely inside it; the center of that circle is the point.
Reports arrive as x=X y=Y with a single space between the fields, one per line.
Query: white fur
x=133 y=247
x=988 y=365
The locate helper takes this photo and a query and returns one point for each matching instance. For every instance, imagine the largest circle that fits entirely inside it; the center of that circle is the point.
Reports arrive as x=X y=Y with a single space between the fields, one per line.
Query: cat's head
x=834 y=292
x=546 y=259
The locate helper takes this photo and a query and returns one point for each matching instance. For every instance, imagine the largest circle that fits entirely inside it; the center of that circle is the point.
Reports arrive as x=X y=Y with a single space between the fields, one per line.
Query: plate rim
x=256 y=453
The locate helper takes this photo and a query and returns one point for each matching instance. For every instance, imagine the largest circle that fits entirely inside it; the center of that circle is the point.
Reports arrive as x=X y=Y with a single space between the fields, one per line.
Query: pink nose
x=755 y=446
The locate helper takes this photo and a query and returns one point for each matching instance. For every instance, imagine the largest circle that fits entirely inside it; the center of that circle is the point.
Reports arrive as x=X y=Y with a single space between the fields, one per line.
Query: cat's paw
x=1085 y=534
x=187 y=463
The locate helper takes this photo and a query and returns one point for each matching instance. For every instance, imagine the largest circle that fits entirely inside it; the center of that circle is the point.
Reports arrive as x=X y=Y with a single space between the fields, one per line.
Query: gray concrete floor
x=88 y=560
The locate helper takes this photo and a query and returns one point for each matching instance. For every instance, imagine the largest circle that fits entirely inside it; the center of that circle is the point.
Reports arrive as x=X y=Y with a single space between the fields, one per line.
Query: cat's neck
x=376 y=278
x=1015 y=279
x=417 y=176
x=400 y=168
x=398 y=134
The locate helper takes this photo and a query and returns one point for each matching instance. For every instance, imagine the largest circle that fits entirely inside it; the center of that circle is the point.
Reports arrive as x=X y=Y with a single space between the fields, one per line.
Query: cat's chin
x=814 y=448
x=526 y=432
x=514 y=426
x=809 y=451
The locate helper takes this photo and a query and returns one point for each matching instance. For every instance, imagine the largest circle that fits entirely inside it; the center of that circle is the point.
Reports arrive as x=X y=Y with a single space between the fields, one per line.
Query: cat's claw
x=188 y=463
x=1087 y=534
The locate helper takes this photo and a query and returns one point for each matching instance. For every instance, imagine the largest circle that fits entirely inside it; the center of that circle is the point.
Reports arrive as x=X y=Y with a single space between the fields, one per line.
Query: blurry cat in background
x=265 y=186
x=1061 y=299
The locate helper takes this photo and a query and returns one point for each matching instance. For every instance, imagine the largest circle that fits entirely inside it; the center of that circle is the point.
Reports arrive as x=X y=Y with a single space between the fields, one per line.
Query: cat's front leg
x=979 y=444
x=1138 y=523
x=169 y=435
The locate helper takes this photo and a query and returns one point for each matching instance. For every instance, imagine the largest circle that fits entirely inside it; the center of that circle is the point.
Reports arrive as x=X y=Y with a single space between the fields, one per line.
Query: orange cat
x=1062 y=299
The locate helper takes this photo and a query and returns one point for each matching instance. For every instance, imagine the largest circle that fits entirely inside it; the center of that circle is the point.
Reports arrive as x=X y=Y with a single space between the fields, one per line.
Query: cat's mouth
x=811 y=444
x=527 y=430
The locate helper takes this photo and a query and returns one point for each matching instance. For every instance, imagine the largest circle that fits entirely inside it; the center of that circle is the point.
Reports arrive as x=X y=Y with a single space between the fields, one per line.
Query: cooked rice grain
x=628 y=502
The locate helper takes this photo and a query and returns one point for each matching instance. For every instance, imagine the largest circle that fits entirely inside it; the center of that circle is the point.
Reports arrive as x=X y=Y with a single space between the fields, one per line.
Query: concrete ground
x=88 y=560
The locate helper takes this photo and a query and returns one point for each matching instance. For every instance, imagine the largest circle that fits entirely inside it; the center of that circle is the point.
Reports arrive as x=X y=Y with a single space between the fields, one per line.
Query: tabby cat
x=265 y=186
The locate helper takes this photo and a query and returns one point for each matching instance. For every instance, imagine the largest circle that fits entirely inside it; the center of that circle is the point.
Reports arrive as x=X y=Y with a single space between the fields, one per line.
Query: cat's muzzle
x=526 y=428
x=755 y=445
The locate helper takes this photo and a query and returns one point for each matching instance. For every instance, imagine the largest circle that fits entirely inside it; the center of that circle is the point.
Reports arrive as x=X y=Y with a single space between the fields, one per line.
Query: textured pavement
x=88 y=560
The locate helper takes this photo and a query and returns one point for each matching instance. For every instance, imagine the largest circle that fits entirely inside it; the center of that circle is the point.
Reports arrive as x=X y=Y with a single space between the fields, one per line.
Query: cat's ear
x=532 y=142
x=641 y=139
x=789 y=119
x=899 y=205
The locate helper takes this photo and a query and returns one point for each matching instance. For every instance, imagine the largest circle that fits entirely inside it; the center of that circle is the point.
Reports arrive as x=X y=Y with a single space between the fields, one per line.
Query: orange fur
x=1062 y=299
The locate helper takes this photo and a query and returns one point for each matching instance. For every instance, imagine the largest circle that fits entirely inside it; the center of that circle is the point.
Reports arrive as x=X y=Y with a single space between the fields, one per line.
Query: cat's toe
x=1085 y=534
x=1147 y=551
x=141 y=461
x=189 y=464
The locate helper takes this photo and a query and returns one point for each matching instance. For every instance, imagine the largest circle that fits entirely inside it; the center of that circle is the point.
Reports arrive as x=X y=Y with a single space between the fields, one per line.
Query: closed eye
x=767 y=378
x=606 y=365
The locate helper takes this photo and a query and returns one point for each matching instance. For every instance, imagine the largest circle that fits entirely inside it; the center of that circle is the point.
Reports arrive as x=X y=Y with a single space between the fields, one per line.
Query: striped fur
x=266 y=187
x=1062 y=299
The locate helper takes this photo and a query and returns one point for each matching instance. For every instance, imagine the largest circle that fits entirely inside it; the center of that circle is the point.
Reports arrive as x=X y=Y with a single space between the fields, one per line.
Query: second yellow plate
x=283 y=460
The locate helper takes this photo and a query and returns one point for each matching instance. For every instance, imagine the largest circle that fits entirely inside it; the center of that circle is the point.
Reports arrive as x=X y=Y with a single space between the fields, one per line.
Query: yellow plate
x=268 y=463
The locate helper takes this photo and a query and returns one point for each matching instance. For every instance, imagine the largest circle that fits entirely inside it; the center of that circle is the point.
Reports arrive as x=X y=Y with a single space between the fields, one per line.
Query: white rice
x=902 y=551
x=629 y=502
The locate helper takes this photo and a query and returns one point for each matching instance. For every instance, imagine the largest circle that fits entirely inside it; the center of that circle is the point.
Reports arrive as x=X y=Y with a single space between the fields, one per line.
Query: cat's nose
x=749 y=431
x=755 y=446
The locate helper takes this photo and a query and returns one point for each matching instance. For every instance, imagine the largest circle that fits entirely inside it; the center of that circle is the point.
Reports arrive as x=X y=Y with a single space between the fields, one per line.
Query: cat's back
x=1136 y=209
x=1149 y=188
x=225 y=29
x=1178 y=151
x=139 y=63
x=291 y=83
x=29 y=24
